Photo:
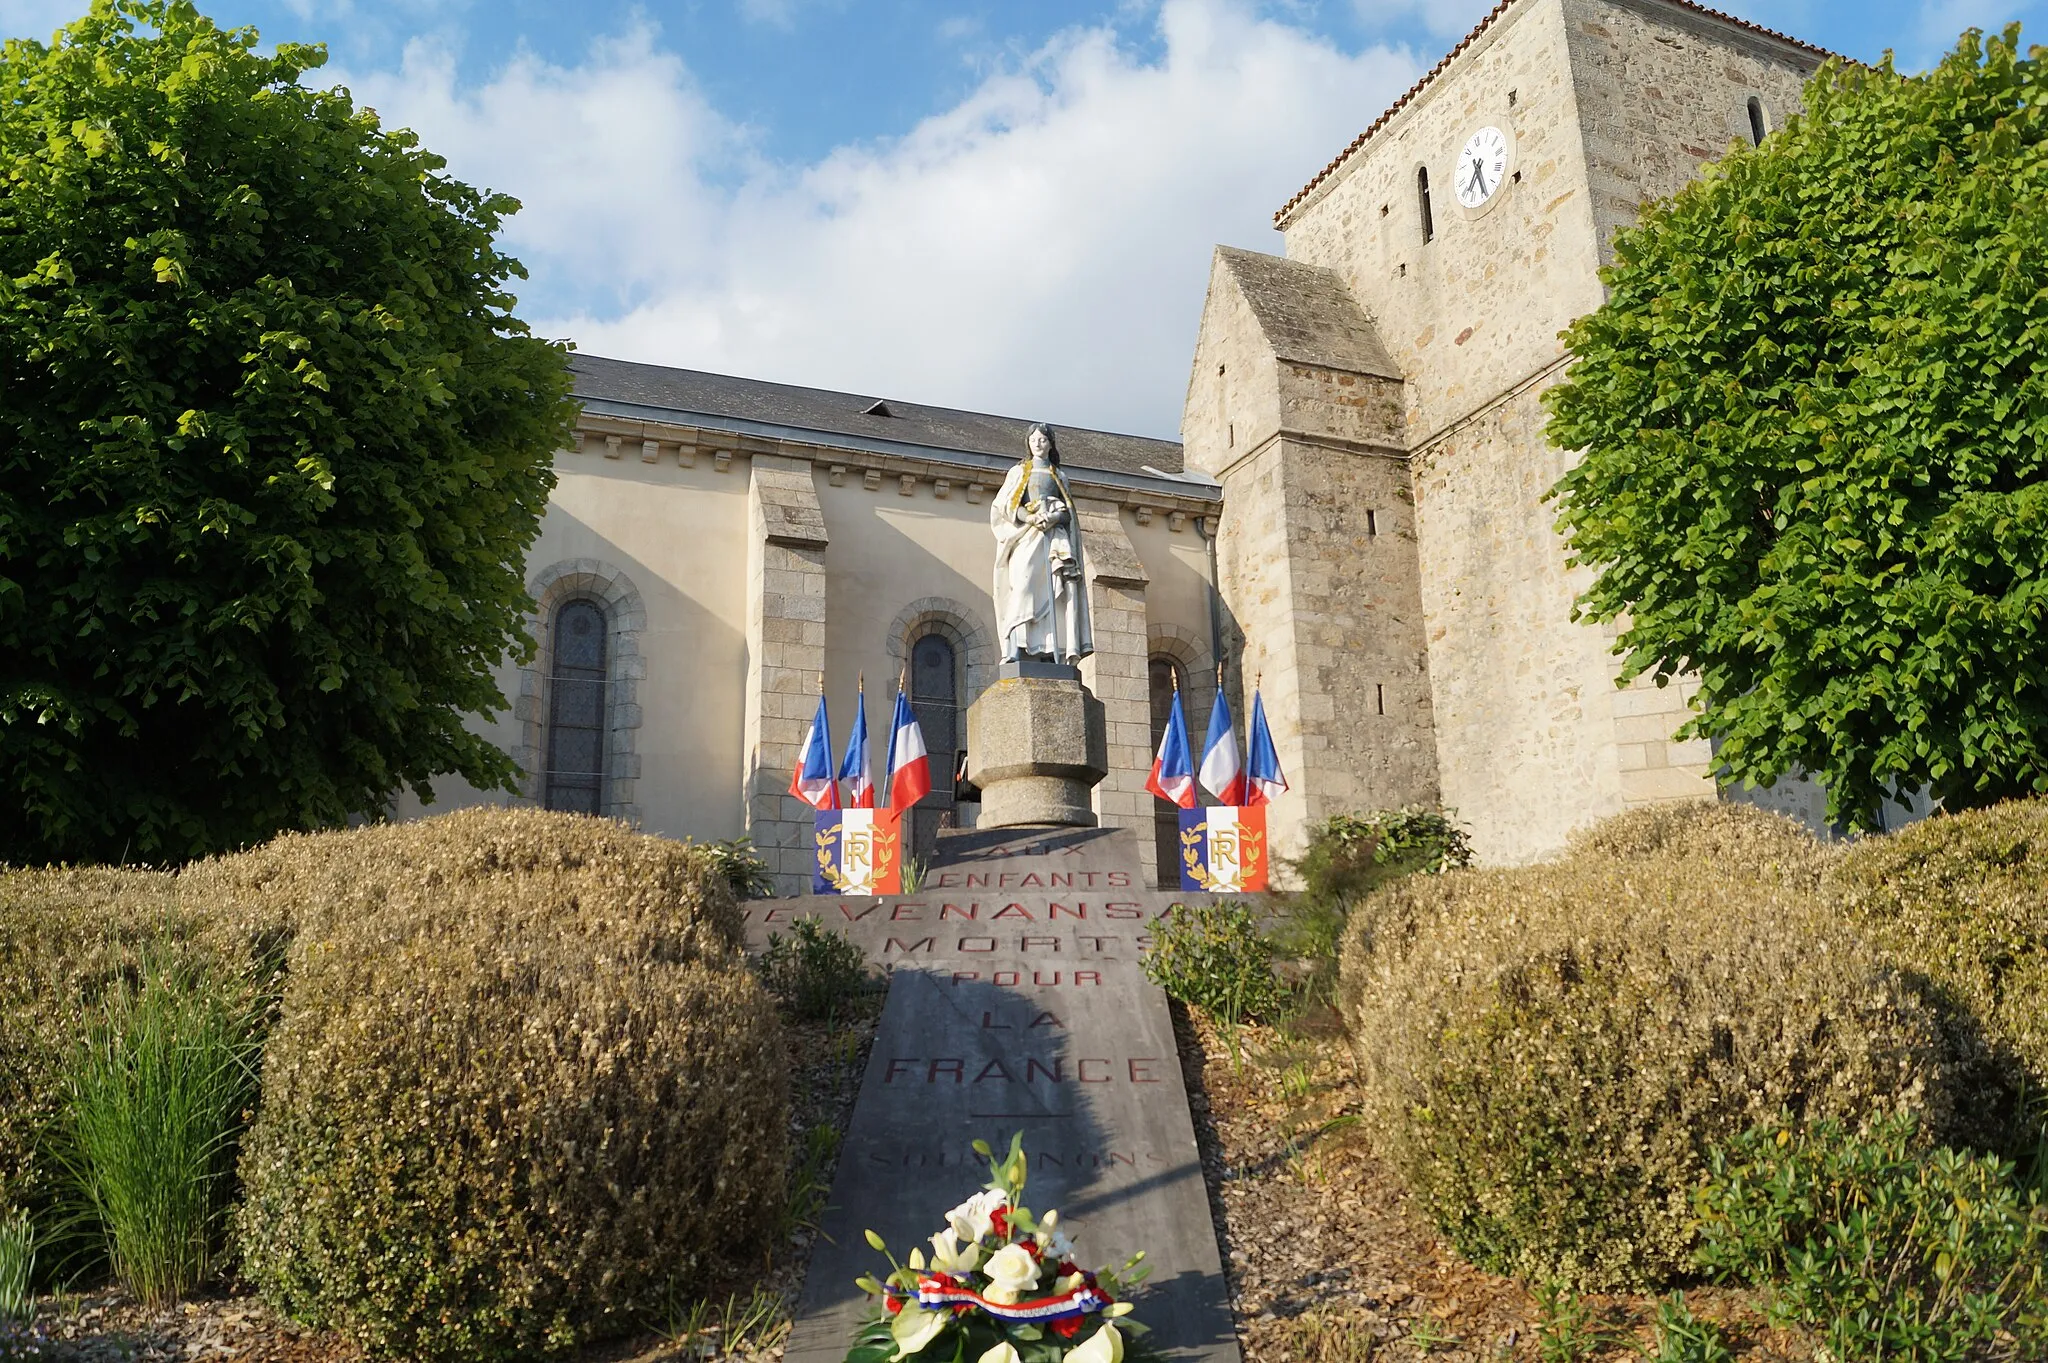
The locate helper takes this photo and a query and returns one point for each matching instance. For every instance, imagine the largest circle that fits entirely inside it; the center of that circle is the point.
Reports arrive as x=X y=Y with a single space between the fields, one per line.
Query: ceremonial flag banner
x=910 y=770
x=1264 y=781
x=1173 y=771
x=853 y=772
x=812 y=780
x=1222 y=774
x=860 y=852
x=1223 y=850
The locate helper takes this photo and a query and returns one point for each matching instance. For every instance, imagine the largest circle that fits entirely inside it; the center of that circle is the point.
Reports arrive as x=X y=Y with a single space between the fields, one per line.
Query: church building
x=1353 y=520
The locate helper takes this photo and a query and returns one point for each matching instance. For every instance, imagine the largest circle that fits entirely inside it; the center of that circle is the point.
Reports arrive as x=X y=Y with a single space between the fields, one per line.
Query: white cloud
x=37 y=19
x=1041 y=249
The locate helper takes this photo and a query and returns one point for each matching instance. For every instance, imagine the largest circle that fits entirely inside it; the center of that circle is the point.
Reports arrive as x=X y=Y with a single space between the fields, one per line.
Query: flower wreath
x=999 y=1286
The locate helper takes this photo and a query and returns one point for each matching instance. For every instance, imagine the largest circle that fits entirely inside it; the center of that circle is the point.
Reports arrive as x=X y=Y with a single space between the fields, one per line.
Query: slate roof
x=1307 y=313
x=686 y=392
x=1492 y=16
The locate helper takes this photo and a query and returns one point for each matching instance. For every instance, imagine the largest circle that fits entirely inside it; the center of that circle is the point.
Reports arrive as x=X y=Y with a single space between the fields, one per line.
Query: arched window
x=935 y=697
x=1164 y=673
x=1422 y=198
x=1757 y=130
x=574 y=778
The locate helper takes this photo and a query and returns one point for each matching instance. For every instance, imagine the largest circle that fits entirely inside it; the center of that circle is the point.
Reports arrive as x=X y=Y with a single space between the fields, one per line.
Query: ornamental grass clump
x=523 y=1089
x=155 y=1100
x=68 y=938
x=1961 y=902
x=1551 y=1052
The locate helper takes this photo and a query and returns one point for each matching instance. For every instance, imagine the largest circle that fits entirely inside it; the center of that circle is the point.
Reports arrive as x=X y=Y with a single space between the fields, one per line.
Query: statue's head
x=1041 y=444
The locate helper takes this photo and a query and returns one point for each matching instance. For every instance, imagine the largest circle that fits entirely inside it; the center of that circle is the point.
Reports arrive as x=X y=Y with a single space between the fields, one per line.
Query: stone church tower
x=1371 y=405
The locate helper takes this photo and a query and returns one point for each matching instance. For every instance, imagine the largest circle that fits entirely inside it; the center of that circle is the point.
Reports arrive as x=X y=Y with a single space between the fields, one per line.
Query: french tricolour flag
x=1264 y=781
x=1222 y=774
x=910 y=770
x=812 y=781
x=1173 y=771
x=860 y=789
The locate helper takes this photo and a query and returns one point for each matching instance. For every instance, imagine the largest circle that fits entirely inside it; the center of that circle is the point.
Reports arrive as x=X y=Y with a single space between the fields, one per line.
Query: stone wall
x=1609 y=104
x=786 y=549
x=1476 y=309
x=1661 y=92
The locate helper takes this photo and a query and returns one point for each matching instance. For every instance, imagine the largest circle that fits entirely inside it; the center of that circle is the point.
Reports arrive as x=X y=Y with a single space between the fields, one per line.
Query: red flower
x=1067 y=1267
x=1067 y=1327
x=961 y=1308
x=894 y=1304
x=999 y=1220
x=1031 y=1248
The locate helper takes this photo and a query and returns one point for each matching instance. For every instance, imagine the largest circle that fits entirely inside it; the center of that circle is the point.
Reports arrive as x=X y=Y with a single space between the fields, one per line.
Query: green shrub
x=1214 y=957
x=1962 y=901
x=743 y=868
x=1682 y=1337
x=1887 y=1250
x=814 y=970
x=1550 y=1052
x=1343 y=849
x=17 y=1268
x=155 y=1100
x=523 y=1088
x=67 y=938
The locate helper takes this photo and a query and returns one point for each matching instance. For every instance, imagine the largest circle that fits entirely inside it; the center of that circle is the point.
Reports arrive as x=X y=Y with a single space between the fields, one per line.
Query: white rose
x=972 y=1219
x=1104 y=1346
x=1011 y=1272
x=950 y=1254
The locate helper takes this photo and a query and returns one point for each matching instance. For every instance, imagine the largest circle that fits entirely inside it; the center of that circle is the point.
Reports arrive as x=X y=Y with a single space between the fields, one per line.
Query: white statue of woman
x=1041 y=587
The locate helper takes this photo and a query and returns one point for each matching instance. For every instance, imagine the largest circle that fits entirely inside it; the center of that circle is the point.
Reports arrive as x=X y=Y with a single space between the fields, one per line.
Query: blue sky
x=1006 y=206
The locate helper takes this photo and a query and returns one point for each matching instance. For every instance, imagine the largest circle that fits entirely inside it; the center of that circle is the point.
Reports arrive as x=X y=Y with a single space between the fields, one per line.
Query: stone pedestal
x=1036 y=748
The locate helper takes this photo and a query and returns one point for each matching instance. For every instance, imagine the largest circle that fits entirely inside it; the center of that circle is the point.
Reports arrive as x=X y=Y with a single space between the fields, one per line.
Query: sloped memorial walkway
x=1016 y=1003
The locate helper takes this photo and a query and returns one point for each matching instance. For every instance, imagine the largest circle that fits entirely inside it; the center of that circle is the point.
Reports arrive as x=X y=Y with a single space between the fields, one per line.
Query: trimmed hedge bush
x=1734 y=839
x=1962 y=899
x=522 y=1085
x=1551 y=1052
x=66 y=937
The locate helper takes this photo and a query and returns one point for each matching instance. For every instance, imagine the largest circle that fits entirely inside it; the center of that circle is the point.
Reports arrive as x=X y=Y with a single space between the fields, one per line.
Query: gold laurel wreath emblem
x=826 y=842
x=1190 y=857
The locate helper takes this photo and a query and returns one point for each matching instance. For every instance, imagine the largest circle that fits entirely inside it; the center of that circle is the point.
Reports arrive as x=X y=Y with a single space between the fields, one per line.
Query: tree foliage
x=1814 y=412
x=272 y=446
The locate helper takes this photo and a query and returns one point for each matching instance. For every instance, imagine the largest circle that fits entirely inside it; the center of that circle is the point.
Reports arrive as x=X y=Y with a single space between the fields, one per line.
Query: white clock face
x=1481 y=167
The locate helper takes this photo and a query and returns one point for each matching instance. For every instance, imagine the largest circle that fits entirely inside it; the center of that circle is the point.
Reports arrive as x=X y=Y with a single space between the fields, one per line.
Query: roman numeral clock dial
x=1482 y=167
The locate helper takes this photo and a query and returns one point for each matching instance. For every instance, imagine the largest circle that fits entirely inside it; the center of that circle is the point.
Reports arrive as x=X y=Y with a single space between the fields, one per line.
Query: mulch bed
x=1329 y=1261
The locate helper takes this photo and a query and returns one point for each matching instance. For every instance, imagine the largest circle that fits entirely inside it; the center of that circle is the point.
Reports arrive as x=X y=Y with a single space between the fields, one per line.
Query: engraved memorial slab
x=1016 y=1003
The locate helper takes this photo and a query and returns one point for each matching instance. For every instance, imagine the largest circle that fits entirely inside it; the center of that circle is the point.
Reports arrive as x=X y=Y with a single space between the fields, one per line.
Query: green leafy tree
x=1814 y=411
x=272 y=446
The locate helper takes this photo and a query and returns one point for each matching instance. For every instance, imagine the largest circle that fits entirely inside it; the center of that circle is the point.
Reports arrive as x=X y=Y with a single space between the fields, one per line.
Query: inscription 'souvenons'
x=1040 y=1159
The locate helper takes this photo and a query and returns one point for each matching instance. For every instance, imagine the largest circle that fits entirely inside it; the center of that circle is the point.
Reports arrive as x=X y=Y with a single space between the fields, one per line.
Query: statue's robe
x=1041 y=605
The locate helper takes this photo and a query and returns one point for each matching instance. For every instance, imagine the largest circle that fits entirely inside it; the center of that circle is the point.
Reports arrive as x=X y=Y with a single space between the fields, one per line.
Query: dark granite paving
x=1016 y=1004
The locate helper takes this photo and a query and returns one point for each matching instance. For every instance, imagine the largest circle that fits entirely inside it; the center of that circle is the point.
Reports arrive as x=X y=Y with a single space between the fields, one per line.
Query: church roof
x=1488 y=22
x=1307 y=313
x=682 y=393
